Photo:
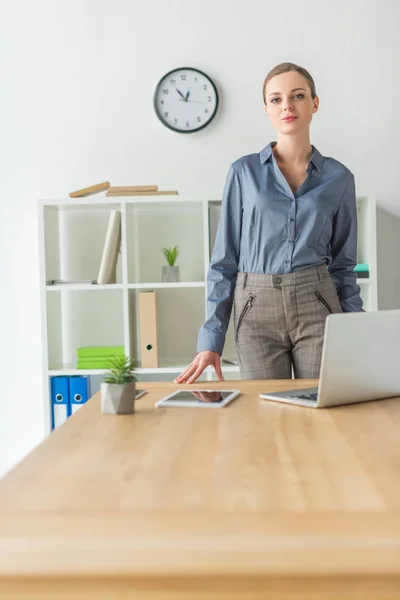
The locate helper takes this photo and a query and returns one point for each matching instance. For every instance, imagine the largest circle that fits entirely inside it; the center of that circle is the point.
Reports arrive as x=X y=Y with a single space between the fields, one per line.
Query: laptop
x=360 y=361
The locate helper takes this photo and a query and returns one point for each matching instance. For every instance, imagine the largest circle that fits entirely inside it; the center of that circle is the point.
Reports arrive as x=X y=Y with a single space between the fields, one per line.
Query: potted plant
x=118 y=388
x=170 y=272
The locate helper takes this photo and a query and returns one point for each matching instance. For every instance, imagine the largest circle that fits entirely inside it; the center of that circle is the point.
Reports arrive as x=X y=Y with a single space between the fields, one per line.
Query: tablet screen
x=195 y=398
x=215 y=397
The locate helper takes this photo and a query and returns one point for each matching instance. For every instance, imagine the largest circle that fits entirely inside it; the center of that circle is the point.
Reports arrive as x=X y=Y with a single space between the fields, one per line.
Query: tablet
x=139 y=393
x=199 y=398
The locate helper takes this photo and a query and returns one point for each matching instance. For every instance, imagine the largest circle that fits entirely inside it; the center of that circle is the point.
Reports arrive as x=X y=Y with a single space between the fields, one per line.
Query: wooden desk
x=256 y=500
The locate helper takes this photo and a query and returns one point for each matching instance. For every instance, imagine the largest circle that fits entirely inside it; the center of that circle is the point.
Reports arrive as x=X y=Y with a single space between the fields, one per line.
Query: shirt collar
x=316 y=157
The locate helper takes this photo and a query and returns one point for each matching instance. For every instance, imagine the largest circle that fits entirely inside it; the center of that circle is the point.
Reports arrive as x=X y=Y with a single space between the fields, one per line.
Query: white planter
x=118 y=398
x=170 y=274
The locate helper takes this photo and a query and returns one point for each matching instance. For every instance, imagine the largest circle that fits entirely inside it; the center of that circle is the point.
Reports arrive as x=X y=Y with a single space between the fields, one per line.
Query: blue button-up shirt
x=266 y=228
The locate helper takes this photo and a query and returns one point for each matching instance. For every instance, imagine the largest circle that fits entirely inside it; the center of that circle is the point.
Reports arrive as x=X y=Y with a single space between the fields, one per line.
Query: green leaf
x=171 y=254
x=121 y=370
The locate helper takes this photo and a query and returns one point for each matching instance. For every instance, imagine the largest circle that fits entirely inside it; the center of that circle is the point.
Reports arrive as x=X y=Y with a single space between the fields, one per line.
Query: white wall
x=77 y=80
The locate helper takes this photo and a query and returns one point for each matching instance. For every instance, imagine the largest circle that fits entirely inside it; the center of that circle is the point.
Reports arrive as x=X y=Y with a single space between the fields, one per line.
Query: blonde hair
x=285 y=68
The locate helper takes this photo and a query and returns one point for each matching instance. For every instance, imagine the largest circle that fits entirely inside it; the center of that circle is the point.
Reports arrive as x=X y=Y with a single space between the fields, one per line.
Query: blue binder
x=59 y=389
x=78 y=392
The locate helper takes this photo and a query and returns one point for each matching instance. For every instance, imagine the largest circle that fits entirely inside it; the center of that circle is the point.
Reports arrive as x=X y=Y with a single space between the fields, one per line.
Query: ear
x=316 y=104
x=266 y=109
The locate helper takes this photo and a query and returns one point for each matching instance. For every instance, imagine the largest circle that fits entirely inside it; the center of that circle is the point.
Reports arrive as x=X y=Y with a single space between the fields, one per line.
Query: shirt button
x=292 y=220
x=278 y=280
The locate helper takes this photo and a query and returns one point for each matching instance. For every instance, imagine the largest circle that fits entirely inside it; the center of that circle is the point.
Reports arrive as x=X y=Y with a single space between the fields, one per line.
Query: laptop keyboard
x=312 y=396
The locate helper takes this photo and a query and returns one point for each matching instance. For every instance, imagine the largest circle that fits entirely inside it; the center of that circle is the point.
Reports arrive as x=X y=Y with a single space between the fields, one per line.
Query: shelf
x=82 y=318
x=83 y=287
x=161 y=285
x=120 y=286
x=179 y=316
x=74 y=242
x=65 y=203
x=152 y=227
x=71 y=370
x=72 y=237
x=140 y=286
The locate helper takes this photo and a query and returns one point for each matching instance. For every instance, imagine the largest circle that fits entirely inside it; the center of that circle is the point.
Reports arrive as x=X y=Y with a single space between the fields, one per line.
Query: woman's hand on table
x=200 y=362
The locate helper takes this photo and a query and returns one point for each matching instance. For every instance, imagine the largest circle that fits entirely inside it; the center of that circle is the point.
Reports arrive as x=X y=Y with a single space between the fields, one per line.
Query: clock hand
x=180 y=93
x=187 y=95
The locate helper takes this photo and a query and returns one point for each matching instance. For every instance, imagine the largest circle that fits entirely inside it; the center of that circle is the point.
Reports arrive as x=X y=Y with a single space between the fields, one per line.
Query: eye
x=296 y=96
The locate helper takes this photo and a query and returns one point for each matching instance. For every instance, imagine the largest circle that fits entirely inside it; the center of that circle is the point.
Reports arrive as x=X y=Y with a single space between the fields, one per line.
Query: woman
x=285 y=247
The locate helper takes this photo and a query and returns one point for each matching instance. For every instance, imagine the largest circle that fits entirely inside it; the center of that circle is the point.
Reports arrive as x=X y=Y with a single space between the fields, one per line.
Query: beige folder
x=148 y=329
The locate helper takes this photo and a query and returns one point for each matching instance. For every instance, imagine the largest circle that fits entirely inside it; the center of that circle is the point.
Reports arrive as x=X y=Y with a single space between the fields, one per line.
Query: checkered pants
x=279 y=321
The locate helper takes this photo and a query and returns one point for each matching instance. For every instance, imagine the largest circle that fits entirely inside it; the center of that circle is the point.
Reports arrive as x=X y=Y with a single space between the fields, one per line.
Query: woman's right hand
x=202 y=360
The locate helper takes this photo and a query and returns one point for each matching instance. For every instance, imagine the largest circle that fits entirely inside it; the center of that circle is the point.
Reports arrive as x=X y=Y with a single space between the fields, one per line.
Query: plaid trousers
x=279 y=322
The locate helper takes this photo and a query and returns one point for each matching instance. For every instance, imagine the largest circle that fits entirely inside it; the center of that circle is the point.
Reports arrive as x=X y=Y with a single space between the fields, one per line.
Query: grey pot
x=170 y=274
x=118 y=398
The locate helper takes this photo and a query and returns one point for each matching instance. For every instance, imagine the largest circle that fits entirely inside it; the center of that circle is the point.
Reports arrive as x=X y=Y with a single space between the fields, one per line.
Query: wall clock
x=185 y=100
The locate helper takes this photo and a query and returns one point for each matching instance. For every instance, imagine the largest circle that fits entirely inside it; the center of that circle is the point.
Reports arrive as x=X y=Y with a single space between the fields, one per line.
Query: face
x=289 y=95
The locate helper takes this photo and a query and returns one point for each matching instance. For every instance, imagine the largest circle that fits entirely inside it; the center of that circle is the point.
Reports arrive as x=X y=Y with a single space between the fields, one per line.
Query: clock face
x=186 y=100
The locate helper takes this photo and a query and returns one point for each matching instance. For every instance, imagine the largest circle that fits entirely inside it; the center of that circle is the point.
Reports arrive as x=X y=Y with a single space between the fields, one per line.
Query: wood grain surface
x=254 y=500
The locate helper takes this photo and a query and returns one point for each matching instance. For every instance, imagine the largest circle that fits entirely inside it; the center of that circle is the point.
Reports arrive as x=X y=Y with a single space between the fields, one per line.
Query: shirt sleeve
x=344 y=251
x=223 y=267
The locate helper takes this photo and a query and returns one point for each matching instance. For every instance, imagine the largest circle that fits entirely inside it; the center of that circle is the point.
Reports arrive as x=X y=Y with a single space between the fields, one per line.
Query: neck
x=293 y=151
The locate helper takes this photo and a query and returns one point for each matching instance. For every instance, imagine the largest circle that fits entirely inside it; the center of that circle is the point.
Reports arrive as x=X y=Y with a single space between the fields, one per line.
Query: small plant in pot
x=118 y=388
x=170 y=272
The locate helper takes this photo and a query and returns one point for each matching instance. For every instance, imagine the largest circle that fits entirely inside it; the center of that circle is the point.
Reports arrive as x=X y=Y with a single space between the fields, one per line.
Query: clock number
x=161 y=101
x=165 y=91
x=165 y=114
x=187 y=123
x=195 y=79
x=183 y=77
x=206 y=110
x=175 y=121
x=204 y=87
x=198 y=119
x=209 y=98
x=173 y=81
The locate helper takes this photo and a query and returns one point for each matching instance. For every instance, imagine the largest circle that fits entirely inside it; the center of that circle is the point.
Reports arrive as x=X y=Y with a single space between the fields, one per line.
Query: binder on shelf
x=148 y=329
x=79 y=392
x=92 y=189
x=97 y=357
x=132 y=188
x=59 y=394
x=154 y=193
x=109 y=259
x=99 y=351
x=101 y=363
x=362 y=270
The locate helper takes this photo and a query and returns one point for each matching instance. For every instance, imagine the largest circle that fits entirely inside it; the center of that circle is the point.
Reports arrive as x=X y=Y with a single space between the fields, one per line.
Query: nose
x=287 y=105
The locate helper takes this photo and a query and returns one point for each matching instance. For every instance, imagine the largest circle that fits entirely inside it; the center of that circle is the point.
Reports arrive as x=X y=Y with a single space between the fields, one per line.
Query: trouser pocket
x=248 y=305
x=326 y=295
x=324 y=302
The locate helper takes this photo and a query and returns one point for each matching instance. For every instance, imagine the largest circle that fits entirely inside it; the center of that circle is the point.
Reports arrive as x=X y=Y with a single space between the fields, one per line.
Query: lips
x=289 y=119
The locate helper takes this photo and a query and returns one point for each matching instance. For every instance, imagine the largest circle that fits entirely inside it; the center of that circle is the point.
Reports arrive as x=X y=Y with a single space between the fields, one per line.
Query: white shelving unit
x=72 y=233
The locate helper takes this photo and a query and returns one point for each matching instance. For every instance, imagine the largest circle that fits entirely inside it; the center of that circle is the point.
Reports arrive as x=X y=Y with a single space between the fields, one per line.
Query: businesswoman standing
x=285 y=247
